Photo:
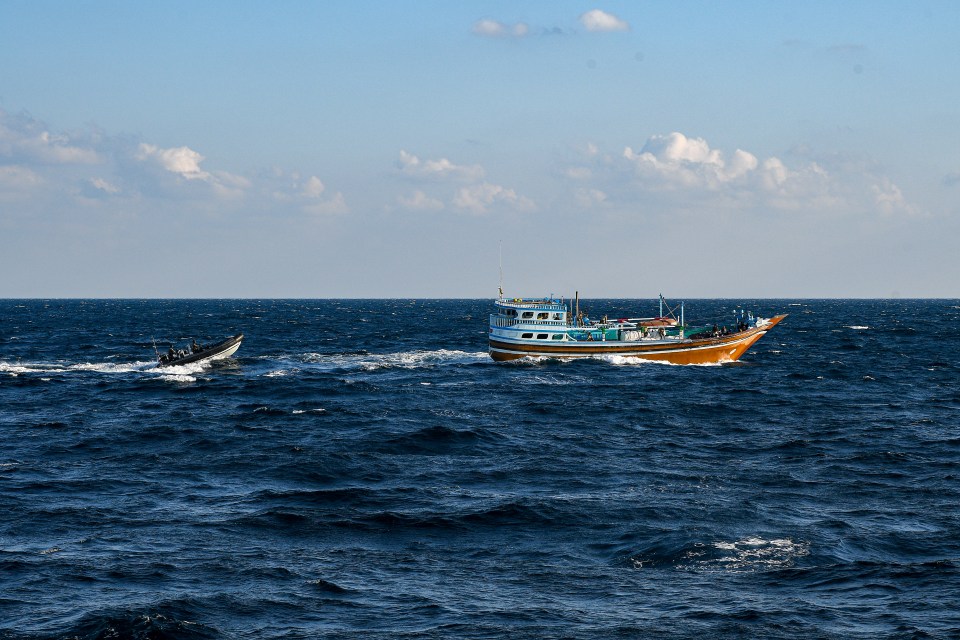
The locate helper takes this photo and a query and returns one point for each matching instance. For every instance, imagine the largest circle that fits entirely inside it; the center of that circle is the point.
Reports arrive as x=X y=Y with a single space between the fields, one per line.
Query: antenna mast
x=501 y=269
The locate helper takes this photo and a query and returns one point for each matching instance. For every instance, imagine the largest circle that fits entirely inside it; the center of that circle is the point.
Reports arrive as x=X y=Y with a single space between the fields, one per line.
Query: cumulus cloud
x=182 y=161
x=313 y=187
x=438 y=177
x=316 y=203
x=97 y=170
x=479 y=198
x=336 y=205
x=182 y=164
x=600 y=21
x=590 y=198
x=889 y=198
x=687 y=173
x=412 y=166
x=420 y=201
x=690 y=162
x=494 y=29
x=578 y=173
x=18 y=179
x=23 y=139
x=309 y=193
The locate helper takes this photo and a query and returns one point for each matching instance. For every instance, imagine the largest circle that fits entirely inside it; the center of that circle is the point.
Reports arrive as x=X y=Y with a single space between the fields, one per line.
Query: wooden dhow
x=548 y=327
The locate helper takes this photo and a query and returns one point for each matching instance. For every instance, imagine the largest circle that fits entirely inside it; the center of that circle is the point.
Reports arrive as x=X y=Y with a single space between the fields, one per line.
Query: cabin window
x=543 y=316
x=510 y=313
x=527 y=315
x=526 y=335
x=558 y=316
x=558 y=336
x=542 y=336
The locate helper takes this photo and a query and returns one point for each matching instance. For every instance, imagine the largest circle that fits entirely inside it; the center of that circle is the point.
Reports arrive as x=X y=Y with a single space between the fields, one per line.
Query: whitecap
x=56 y=367
x=633 y=361
x=179 y=369
x=402 y=359
x=751 y=554
x=18 y=368
x=109 y=367
x=178 y=378
x=856 y=327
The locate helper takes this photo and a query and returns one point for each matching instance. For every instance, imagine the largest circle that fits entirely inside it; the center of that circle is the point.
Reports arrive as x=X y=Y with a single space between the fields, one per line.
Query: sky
x=365 y=149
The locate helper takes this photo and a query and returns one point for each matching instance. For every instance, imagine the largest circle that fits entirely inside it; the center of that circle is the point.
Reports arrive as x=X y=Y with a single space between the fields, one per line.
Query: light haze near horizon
x=370 y=149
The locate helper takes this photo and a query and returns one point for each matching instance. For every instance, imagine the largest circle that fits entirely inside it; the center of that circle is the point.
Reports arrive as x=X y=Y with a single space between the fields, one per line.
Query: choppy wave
x=629 y=361
x=60 y=367
x=393 y=481
x=400 y=360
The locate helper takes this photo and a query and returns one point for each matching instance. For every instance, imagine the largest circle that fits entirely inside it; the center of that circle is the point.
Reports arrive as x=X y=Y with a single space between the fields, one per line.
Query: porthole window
x=558 y=336
x=541 y=336
x=527 y=315
x=527 y=335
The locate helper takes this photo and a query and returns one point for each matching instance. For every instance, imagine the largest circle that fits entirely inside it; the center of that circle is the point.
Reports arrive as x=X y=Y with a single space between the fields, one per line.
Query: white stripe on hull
x=225 y=354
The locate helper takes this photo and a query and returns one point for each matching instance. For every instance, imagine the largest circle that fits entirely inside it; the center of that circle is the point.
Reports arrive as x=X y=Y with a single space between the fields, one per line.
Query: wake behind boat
x=547 y=327
x=200 y=353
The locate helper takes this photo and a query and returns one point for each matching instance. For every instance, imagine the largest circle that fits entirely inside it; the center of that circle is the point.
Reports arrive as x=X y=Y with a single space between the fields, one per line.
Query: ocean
x=363 y=469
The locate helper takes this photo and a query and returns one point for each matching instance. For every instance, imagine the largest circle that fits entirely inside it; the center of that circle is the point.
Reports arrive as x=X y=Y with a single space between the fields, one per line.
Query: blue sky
x=371 y=149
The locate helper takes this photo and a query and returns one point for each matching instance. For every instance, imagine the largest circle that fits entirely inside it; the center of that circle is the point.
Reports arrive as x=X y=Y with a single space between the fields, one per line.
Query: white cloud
x=675 y=172
x=474 y=196
x=183 y=161
x=578 y=173
x=590 y=198
x=337 y=205
x=889 y=198
x=690 y=162
x=25 y=139
x=183 y=164
x=314 y=187
x=56 y=171
x=479 y=198
x=411 y=165
x=312 y=191
x=599 y=21
x=420 y=201
x=309 y=194
x=105 y=186
x=494 y=29
x=676 y=147
x=17 y=179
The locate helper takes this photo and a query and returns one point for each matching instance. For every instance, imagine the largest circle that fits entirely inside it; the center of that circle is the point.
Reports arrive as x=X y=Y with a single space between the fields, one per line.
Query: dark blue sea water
x=363 y=469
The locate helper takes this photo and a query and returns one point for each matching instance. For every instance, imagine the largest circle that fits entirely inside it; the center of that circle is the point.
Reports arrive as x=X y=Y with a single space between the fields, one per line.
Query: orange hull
x=727 y=348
